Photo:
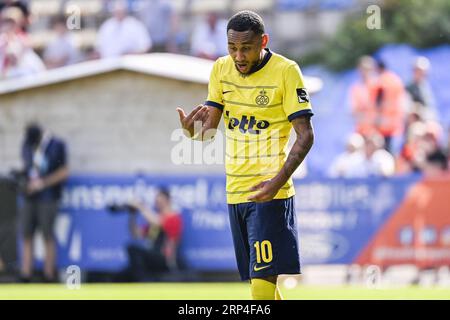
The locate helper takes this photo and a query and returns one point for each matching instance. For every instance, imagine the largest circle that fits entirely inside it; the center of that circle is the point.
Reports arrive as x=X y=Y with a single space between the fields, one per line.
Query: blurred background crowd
x=385 y=108
x=103 y=29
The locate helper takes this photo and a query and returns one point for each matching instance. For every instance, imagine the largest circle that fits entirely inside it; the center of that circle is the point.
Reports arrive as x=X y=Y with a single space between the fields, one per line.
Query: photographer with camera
x=45 y=166
x=155 y=250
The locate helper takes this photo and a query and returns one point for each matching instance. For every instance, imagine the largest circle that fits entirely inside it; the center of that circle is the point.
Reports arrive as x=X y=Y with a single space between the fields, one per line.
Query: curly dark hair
x=246 y=20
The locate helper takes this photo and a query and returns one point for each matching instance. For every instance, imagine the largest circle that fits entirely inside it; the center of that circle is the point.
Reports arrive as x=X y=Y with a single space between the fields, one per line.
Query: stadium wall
x=115 y=122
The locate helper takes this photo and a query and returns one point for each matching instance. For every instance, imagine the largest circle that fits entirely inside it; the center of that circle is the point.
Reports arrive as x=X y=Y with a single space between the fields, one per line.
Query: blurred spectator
x=448 y=146
x=22 y=6
x=62 y=50
x=414 y=129
x=420 y=92
x=362 y=97
x=209 y=38
x=377 y=161
x=365 y=158
x=45 y=164
x=346 y=164
x=161 y=21
x=162 y=233
x=436 y=165
x=16 y=57
x=422 y=142
x=428 y=144
x=390 y=99
x=122 y=34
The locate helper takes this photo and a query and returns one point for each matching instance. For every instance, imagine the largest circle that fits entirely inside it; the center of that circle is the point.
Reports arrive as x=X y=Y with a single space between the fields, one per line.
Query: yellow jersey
x=257 y=110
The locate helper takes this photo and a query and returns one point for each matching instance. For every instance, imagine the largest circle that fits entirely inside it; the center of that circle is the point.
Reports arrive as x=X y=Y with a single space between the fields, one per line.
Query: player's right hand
x=200 y=113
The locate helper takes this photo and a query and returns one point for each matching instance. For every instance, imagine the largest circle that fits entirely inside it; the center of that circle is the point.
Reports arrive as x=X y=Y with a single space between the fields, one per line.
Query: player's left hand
x=267 y=191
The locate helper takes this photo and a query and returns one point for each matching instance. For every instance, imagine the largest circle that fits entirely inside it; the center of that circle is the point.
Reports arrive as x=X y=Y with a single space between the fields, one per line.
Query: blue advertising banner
x=92 y=237
x=336 y=218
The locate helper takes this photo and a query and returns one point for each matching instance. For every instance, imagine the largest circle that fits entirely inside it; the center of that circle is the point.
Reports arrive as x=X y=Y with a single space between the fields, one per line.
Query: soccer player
x=261 y=96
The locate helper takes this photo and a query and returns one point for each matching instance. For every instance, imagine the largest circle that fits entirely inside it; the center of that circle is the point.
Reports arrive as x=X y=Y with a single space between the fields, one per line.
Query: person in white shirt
x=122 y=34
x=209 y=38
x=62 y=50
x=378 y=161
x=364 y=157
x=346 y=165
x=162 y=22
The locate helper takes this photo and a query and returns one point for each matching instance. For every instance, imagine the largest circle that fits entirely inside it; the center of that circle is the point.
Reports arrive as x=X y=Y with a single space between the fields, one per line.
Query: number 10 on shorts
x=263 y=251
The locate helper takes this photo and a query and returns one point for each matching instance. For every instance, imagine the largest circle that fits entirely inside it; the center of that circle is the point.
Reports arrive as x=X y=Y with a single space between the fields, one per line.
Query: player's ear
x=265 y=40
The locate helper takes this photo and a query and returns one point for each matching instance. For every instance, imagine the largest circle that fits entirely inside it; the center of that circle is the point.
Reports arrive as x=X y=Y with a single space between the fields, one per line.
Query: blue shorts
x=265 y=238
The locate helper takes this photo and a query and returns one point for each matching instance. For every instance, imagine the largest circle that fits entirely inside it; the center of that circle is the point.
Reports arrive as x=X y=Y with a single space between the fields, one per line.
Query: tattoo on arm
x=301 y=147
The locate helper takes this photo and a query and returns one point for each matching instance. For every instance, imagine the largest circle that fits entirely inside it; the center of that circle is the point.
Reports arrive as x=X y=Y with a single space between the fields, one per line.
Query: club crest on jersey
x=247 y=124
x=302 y=95
x=262 y=99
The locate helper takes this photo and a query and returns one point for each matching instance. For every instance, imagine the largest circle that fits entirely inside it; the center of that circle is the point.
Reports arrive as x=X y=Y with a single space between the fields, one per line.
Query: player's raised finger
x=181 y=113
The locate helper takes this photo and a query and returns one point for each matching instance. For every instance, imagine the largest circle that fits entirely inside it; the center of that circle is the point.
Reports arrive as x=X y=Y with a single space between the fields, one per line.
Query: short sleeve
x=296 y=100
x=215 y=98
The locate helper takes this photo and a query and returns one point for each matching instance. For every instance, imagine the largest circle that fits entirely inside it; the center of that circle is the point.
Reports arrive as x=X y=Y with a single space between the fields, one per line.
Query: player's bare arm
x=305 y=139
x=209 y=117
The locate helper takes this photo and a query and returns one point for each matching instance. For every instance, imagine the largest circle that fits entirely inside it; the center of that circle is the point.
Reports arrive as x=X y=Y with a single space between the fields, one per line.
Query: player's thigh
x=238 y=227
x=264 y=223
x=273 y=238
x=239 y=233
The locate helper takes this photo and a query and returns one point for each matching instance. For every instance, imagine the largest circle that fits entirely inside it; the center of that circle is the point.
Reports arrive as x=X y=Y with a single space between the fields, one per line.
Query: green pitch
x=208 y=291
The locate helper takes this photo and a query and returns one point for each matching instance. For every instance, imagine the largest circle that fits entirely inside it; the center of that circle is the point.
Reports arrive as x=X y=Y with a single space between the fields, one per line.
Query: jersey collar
x=263 y=63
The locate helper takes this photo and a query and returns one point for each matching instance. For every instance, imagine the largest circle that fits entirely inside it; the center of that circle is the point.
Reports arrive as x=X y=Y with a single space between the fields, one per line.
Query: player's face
x=245 y=47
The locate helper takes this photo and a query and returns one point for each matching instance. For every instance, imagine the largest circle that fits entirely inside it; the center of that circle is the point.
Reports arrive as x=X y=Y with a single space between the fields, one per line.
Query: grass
x=209 y=291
